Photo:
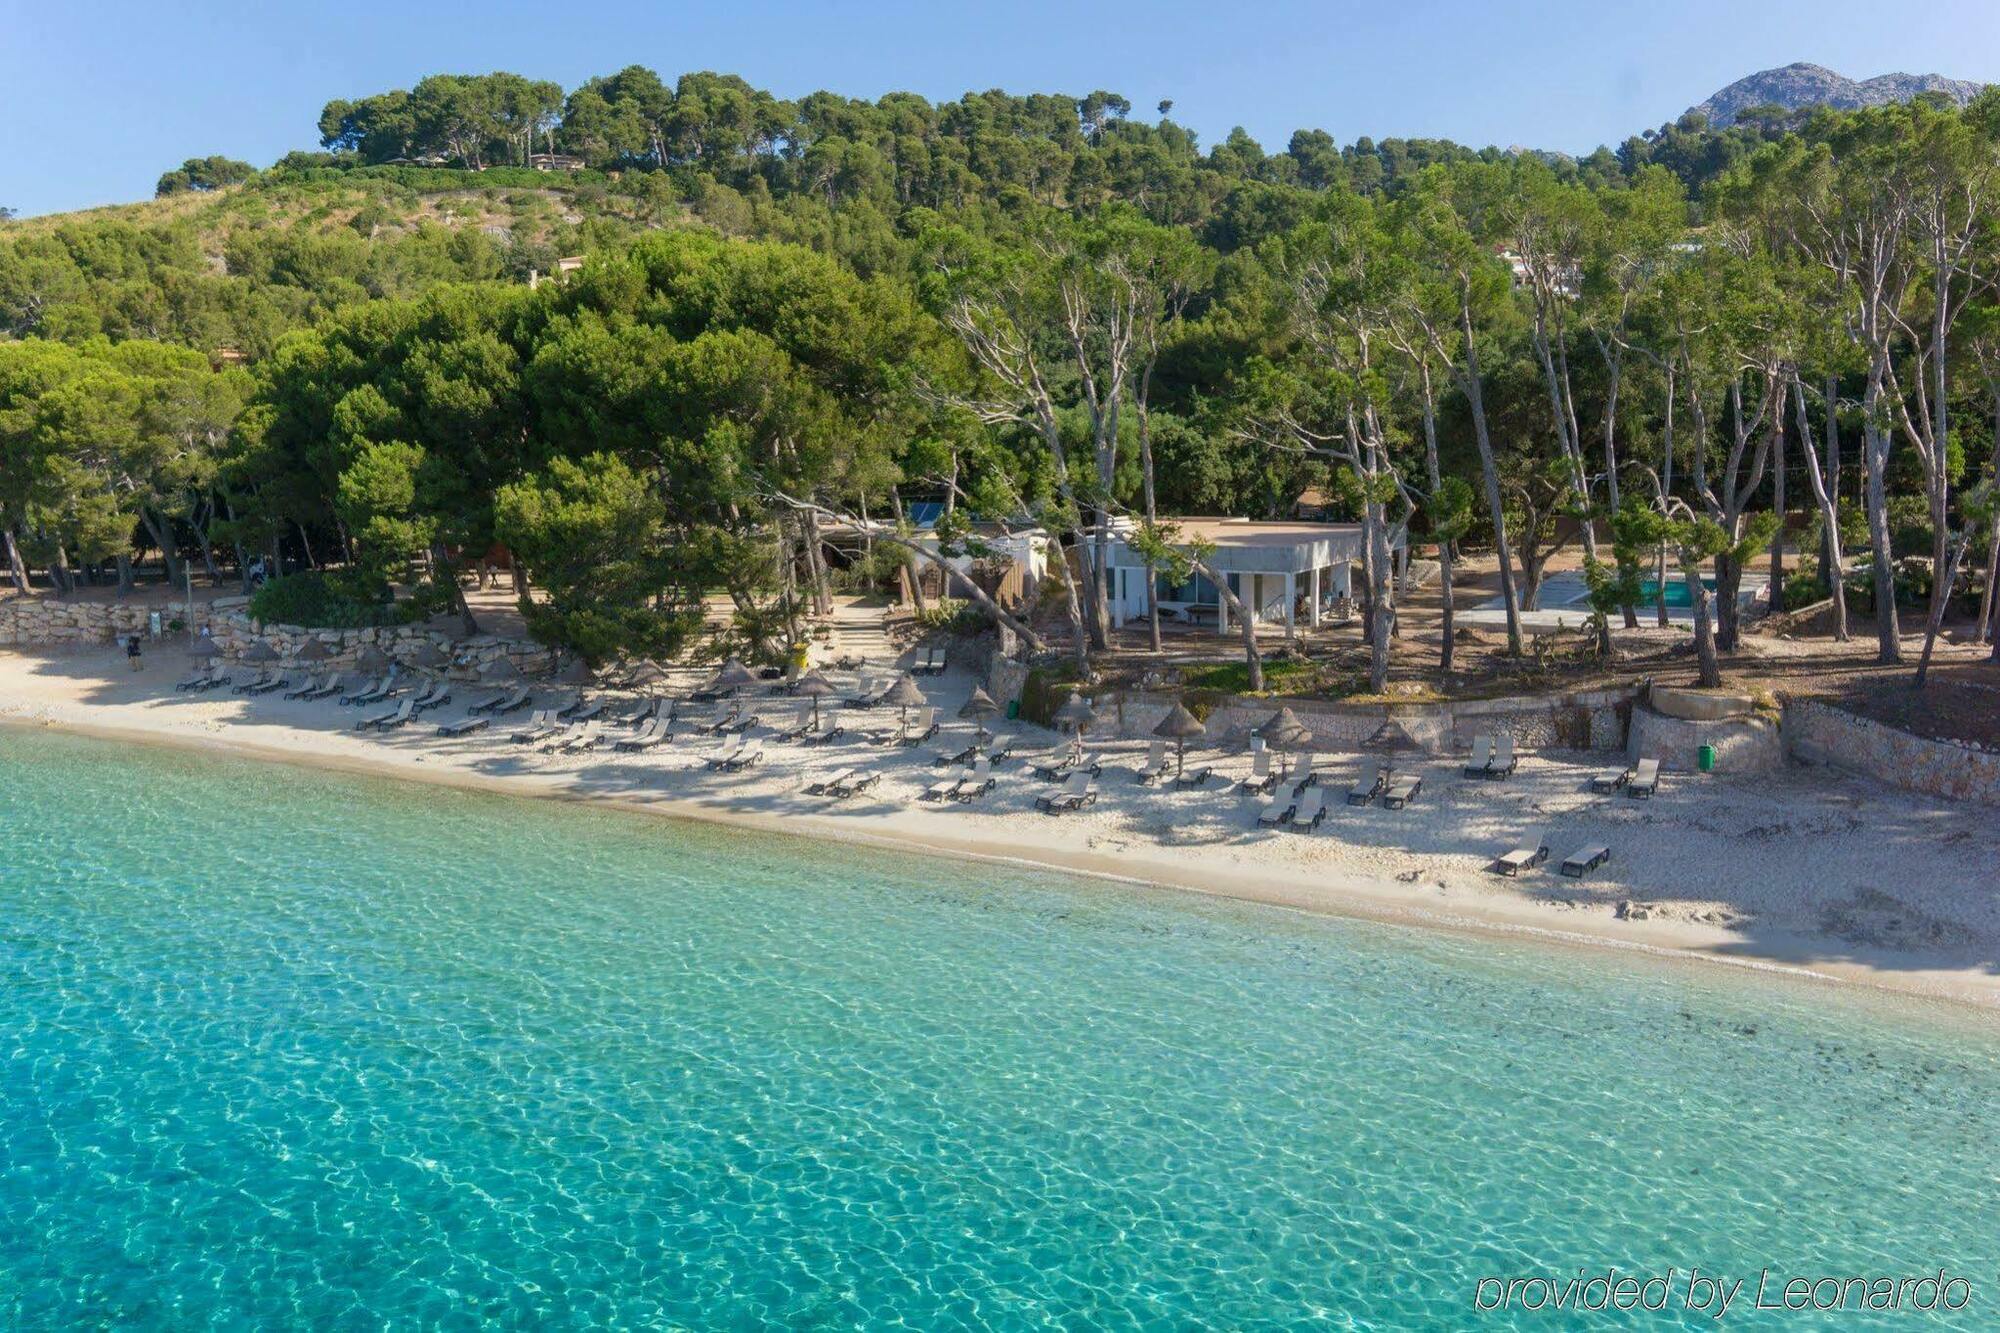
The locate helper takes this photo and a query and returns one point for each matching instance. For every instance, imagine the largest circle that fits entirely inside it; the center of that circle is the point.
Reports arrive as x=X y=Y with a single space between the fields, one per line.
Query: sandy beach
x=1808 y=871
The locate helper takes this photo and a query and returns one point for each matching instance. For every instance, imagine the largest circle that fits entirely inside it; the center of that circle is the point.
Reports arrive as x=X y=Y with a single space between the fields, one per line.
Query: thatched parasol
x=260 y=653
x=576 y=672
x=905 y=695
x=815 y=687
x=1077 y=716
x=204 y=647
x=1284 y=731
x=312 y=650
x=1392 y=740
x=371 y=660
x=425 y=657
x=500 y=671
x=979 y=705
x=647 y=674
x=733 y=676
x=1180 y=727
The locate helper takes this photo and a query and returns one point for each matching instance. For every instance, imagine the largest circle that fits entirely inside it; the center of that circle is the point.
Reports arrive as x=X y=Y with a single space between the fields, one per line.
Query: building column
x=1343 y=579
x=1291 y=606
x=1312 y=590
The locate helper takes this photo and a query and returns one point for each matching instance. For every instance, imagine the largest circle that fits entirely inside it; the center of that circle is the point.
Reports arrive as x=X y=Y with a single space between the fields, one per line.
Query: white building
x=1283 y=570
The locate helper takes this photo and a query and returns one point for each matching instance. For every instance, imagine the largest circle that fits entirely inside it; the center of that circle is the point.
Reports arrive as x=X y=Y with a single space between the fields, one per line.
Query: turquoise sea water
x=284 y=1049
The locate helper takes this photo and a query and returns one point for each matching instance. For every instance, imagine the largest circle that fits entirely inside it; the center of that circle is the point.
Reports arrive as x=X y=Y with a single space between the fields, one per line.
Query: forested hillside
x=1037 y=309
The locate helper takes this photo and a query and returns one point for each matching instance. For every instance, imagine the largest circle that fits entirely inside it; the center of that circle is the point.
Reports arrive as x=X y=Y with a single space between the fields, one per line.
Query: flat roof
x=1256 y=532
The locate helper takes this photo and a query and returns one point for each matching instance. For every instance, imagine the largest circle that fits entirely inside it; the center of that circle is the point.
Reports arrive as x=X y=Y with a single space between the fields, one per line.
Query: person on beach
x=132 y=651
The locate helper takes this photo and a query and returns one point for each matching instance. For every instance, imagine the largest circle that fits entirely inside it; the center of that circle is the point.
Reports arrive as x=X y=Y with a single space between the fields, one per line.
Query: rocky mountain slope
x=1802 y=85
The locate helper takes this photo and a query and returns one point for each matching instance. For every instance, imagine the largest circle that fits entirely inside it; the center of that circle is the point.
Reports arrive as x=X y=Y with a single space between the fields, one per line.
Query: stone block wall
x=51 y=621
x=1820 y=734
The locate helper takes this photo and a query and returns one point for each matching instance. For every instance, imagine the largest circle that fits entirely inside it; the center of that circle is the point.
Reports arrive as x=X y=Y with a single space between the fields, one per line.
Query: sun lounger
x=1311 y=809
x=1645 y=780
x=1155 y=766
x=730 y=749
x=853 y=784
x=962 y=756
x=1504 y=760
x=1077 y=792
x=799 y=728
x=1584 y=860
x=437 y=696
x=1298 y=774
x=466 y=725
x=271 y=686
x=1261 y=778
x=938 y=791
x=826 y=737
x=1274 y=810
x=737 y=724
x=849 y=663
x=1002 y=752
x=1610 y=784
x=1056 y=764
x=1367 y=786
x=541 y=723
x=507 y=701
x=1194 y=777
x=867 y=693
x=259 y=685
x=640 y=716
x=585 y=737
x=1482 y=757
x=1521 y=858
x=368 y=693
x=829 y=782
x=395 y=717
x=922 y=729
x=587 y=711
x=932 y=665
x=653 y=733
x=977 y=784
x=1402 y=790
x=203 y=679
x=748 y=757
x=311 y=684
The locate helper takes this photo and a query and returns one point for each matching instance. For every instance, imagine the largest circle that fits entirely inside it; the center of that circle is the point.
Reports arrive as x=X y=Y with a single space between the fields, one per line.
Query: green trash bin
x=1705 y=758
x=1013 y=709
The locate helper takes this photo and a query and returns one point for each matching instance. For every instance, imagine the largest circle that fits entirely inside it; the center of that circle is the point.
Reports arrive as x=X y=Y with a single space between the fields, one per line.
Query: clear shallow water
x=284 y=1049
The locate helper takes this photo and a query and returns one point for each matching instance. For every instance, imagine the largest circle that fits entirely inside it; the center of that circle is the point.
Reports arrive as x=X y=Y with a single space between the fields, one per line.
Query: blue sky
x=98 y=98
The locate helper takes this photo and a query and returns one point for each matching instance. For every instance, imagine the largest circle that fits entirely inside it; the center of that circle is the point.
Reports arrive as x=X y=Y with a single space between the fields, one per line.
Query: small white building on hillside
x=1285 y=570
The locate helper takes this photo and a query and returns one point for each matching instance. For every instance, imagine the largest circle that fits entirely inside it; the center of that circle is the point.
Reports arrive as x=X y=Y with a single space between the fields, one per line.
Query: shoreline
x=1231 y=866
x=1386 y=912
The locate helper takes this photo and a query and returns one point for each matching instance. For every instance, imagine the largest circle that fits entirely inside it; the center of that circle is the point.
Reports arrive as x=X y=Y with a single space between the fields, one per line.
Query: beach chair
x=1584 y=860
x=1155 y=766
x=867 y=693
x=1645 y=780
x=1482 y=757
x=577 y=738
x=976 y=785
x=932 y=665
x=960 y=756
x=1193 y=777
x=1261 y=778
x=466 y=725
x=652 y=734
x=1368 y=785
x=588 y=711
x=1275 y=810
x=259 y=685
x=1504 y=761
x=1310 y=810
x=748 y=757
x=826 y=784
x=826 y=737
x=730 y=749
x=1521 y=858
x=938 y=791
x=1077 y=792
x=736 y=724
x=305 y=690
x=922 y=729
x=800 y=727
x=540 y=725
x=1056 y=764
x=1001 y=752
x=641 y=715
x=1610 y=784
x=847 y=662
x=202 y=679
x=370 y=692
x=1400 y=791
x=1298 y=774
x=854 y=783
x=437 y=696
x=394 y=717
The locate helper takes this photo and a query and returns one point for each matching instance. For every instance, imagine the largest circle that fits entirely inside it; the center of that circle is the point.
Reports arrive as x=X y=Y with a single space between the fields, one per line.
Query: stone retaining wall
x=1820 y=734
x=46 y=621
x=1752 y=743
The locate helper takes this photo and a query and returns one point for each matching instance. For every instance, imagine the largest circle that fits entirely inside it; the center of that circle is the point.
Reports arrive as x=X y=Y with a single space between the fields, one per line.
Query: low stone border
x=1822 y=734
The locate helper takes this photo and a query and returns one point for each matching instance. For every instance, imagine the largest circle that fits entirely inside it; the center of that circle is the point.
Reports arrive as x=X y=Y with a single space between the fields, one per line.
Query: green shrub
x=314 y=601
x=953 y=617
x=1234 y=677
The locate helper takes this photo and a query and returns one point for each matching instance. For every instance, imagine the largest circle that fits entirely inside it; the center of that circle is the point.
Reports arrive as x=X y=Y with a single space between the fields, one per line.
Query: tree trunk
x=1490 y=471
x=1246 y=623
x=1728 y=611
x=17 y=569
x=1935 y=620
x=1152 y=512
x=913 y=579
x=1985 y=629
x=1776 y=597
x=1445 y=551
x=1827 y=495
x=1381 y=608
x=816 y=562
x=162 y=537
x=1888 y=632
x=445 y=574
x=124 y=574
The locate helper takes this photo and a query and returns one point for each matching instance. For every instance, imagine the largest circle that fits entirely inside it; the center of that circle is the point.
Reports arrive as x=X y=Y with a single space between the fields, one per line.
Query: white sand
x=1804 y=870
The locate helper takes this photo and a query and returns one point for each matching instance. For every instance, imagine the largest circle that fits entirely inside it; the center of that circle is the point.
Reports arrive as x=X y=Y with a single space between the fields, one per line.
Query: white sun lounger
x=395 y=717
x=828 y=783
x=1155 y=766
x=1645 y=780
x=466 y=725
x=1584 y=860
x=1401 y=790
x=1368 y=785
x=1078 y=792
x=730 y=749
x=1521 y=858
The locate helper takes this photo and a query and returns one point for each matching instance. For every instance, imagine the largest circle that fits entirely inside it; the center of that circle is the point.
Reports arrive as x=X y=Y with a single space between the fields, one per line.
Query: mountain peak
x=1803 y=84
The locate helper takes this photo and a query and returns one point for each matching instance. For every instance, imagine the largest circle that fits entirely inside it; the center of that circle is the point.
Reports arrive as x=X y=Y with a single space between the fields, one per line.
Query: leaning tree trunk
x=1826 y=494
x=1246 y=622
x=1704 y=634
x=1381 y=609
x=1991 y=603
x=1934 y=621
x=1875 y=445
x=17 y=569
x=1490 y=473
